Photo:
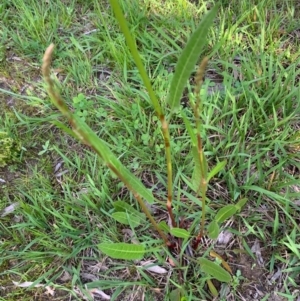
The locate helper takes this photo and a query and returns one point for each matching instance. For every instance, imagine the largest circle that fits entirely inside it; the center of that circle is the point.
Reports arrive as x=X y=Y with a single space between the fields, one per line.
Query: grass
x=64 y=193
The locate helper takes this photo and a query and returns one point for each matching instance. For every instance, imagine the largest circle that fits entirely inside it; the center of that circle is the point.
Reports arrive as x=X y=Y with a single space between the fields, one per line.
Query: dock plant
x=177 y=238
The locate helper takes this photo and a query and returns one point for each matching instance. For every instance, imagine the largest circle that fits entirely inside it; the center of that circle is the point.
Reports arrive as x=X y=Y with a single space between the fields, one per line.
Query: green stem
x=142 y=205
x=166 y=135
x=158 y=109
x=203 y=183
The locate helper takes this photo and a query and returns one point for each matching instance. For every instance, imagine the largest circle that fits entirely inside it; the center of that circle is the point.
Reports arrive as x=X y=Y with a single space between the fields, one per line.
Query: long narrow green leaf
x=195 y=199
x=278 y=198
x=216 y=169
x=135 y=54
x=197 y=176
x=212 y=288
x=292 y=245
x=214 y=270
x=197 y=173
x=122 y=250
x=102 y=149
x=181 y=233
x=63 y=127
x=189 y=129
x=188 y=59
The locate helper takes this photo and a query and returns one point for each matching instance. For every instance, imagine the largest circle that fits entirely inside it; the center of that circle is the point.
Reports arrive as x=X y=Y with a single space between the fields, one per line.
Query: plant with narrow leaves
x=174 y=234
x=9 y=149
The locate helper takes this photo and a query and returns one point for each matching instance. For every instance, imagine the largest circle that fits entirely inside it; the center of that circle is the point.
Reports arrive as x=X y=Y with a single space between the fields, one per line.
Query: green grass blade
x=122 y=250
x=188 y=59
x=281 y=201
x=63 y=127
x=216 y=169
